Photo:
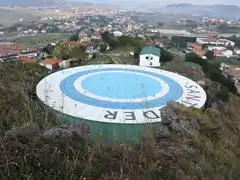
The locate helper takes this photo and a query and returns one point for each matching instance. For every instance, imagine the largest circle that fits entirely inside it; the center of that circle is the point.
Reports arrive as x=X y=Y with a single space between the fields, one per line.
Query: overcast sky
x=207 y=2
x=166 y=2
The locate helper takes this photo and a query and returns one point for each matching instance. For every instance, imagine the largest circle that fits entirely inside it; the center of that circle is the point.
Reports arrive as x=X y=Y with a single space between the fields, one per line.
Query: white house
x=227 y=53
x=117 y=33
x=150 y=56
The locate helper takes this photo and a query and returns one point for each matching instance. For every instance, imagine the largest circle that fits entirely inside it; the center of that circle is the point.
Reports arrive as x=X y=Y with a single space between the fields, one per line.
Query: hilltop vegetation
x=195 y=144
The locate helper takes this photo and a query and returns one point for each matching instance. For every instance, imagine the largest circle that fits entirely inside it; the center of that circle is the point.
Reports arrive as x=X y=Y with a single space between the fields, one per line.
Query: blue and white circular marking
x=89 y=92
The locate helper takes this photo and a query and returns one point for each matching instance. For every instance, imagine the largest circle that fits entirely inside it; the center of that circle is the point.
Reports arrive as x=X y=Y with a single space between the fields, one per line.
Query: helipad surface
x=117 y=93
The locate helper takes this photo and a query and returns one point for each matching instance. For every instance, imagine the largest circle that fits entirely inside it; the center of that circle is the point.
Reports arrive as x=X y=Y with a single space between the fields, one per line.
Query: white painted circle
x=64 y=92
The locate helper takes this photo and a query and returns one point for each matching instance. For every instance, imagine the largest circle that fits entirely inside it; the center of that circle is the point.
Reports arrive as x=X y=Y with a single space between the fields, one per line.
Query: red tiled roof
x=218 y=53
x=211 y=40
x=26 y=59
x=51 y=61
x=96 y=35
x=196 y=45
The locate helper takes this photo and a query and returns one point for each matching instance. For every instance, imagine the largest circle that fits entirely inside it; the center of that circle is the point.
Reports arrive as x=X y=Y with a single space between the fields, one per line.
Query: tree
x=125 y=40
x=74 y=37
x=48 y=49
x=106 y=37
x=179 y=41
x=83 y=48
x=210 y=55
x=204 y=46
x=229 y=47
x=94 y=56
x=103 y=48
x=212 y=71
x=55 y=29
x=160 y=24
x=91 y=31
x=166 y=56
x=77 y=53
x=113 y=44
x=137 y=51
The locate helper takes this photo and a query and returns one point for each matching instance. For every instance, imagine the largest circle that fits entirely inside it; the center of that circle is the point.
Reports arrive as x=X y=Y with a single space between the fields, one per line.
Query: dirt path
x=115 y=59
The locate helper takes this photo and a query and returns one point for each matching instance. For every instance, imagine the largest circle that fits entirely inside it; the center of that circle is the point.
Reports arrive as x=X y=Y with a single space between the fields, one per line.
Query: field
x=49 y=14
x=9 y=15
x=40 y=39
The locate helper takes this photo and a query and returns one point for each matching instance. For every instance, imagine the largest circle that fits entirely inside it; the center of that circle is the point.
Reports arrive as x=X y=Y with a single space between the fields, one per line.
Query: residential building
x=130 y=27
x=29 y=54
x=227 y=53
x=51 y=64
x=91 y=50
x=117 y=33
x=150 y=56
x=96 y=36
x=26 y=59
x=216 y=42
x=218 y=53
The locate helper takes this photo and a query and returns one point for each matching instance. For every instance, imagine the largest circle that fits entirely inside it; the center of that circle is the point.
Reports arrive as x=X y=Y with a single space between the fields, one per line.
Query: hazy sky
x=232 y=2
x=165 y=2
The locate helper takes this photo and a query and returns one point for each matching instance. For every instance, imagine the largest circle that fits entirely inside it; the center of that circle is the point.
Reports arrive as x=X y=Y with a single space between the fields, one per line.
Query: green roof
x=151 y=50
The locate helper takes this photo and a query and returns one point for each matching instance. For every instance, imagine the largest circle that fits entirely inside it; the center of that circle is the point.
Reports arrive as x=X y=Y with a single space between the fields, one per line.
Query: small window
x=150 y=63
x=151 y=58
x=146 y=57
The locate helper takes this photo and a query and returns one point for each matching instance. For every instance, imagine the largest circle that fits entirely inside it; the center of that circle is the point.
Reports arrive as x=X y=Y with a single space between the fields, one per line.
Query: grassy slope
x=17 y=90
x=212 y=152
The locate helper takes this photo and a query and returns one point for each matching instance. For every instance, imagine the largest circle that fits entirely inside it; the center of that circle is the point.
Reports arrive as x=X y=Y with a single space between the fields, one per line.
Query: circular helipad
x=121 y=94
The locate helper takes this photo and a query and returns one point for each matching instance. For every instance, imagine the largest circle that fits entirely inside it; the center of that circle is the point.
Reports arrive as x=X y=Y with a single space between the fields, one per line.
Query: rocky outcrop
x=64 y=131
x=28 y=129
x=176 y=122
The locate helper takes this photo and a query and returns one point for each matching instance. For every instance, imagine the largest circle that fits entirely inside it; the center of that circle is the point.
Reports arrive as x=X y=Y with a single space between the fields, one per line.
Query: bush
x=210 y=55
x=74 y=37
x=165 y=56
x=212 y=71
x=223 y=94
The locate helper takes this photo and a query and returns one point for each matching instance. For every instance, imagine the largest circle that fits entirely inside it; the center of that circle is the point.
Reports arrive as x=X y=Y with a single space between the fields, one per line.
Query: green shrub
x=212 y=71
x=223 y=94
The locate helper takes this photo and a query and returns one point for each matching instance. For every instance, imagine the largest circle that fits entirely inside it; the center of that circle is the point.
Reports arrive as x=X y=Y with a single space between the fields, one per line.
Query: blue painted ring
x=68 y=89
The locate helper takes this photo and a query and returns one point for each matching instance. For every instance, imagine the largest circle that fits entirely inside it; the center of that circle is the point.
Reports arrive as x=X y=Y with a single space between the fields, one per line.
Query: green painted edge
x=113 y=132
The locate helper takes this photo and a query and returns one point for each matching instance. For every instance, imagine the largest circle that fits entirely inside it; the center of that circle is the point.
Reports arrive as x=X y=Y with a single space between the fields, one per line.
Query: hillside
x=226 y=11
x=192 y=144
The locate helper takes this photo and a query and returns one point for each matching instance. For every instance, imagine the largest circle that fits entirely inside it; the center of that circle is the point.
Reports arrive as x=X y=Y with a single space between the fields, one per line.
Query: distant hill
x=30 y=2
x=225 y=11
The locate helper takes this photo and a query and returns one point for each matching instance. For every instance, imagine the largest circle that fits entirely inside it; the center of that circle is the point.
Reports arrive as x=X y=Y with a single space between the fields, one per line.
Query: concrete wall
x=149 y=60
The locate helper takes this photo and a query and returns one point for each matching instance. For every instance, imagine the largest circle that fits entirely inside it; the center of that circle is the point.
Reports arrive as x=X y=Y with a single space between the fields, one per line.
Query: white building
x=220 y=48
x=150 y=56
x=117 y=33
x=216 y=42
x=227 y=53
x=51 y=64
